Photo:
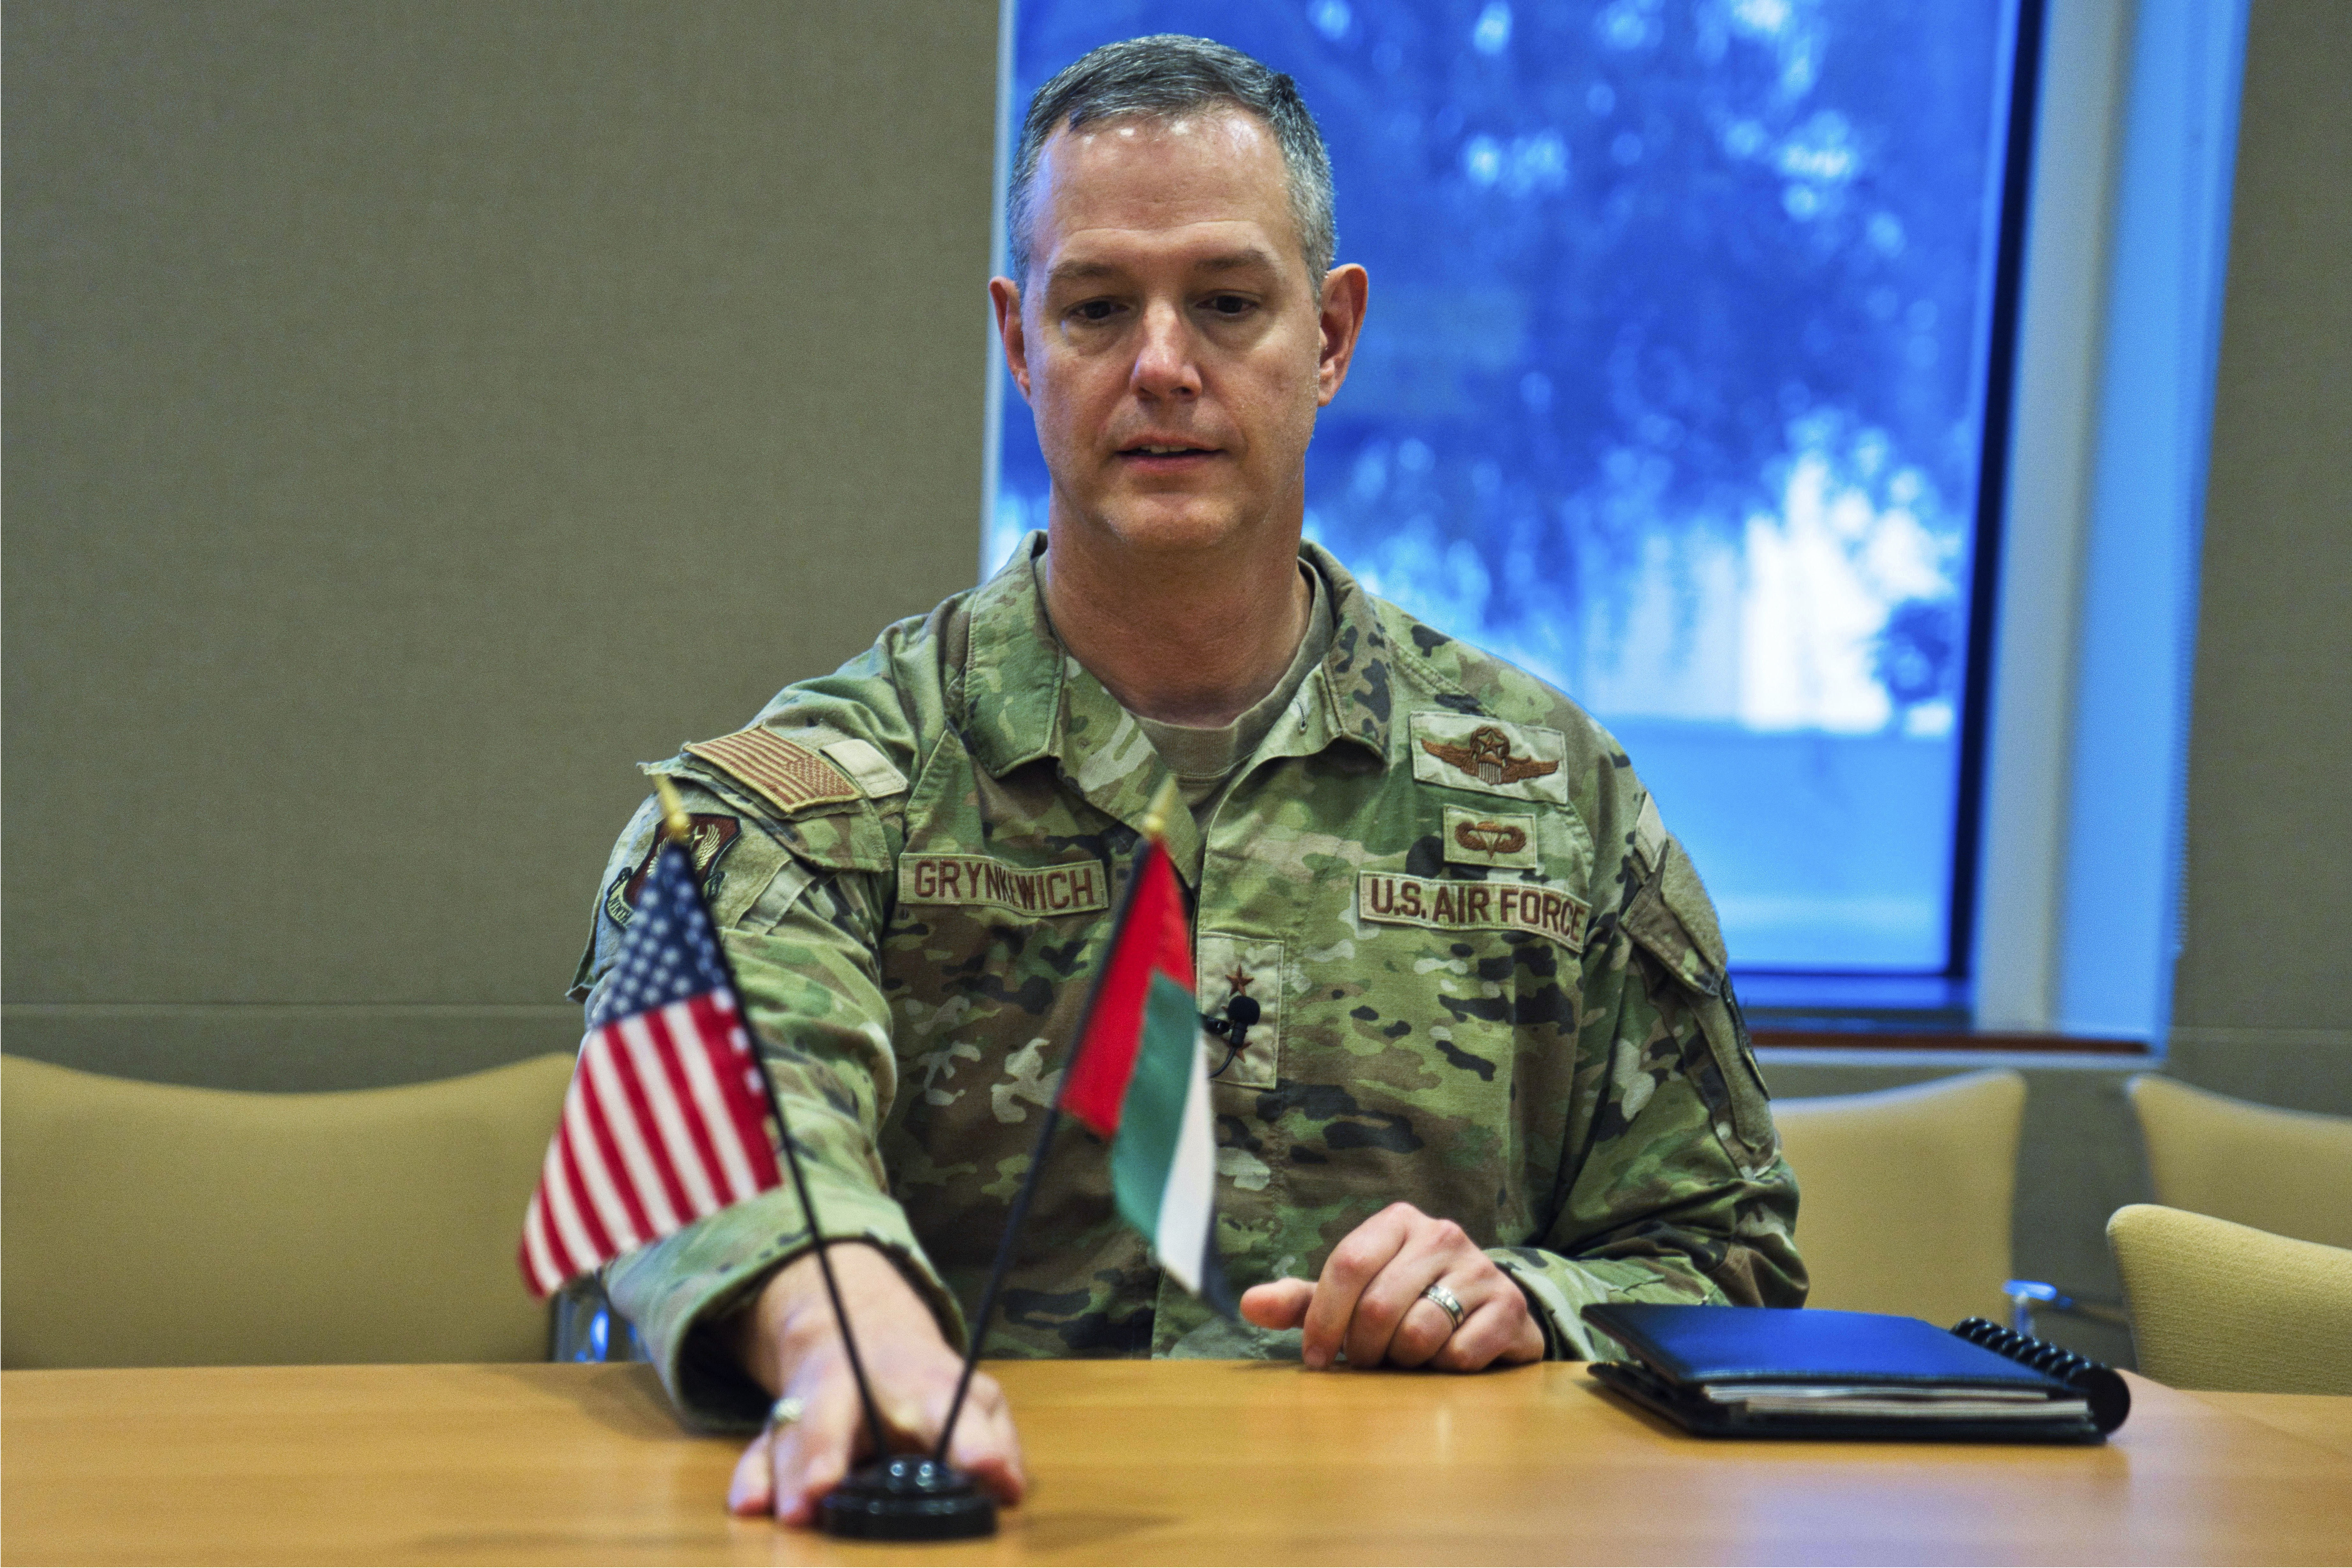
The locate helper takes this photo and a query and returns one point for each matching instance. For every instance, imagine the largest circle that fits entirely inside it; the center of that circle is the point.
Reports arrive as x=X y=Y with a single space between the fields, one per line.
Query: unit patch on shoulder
x=1467 y=751
x=1541 y=909
x=782 y=772
x=707 y=841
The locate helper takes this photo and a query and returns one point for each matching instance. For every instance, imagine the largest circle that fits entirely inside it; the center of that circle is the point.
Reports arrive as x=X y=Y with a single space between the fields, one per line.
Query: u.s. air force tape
x=1542 y=909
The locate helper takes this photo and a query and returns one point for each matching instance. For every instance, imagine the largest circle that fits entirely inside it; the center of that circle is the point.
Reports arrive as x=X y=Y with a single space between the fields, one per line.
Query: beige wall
x=416 y=414
x=2268 y=961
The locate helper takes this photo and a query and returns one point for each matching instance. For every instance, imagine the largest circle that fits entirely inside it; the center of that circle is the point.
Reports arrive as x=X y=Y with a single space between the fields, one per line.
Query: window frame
x=2092 y=87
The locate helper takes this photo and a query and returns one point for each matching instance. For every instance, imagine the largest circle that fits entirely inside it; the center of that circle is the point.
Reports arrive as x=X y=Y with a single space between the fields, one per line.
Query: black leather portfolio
x=1770 y=1372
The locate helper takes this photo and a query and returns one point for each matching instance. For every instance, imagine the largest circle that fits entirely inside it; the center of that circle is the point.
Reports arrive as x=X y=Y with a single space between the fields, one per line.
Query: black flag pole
x=891 y=1499
x=996 y=1275
x=1155 y=821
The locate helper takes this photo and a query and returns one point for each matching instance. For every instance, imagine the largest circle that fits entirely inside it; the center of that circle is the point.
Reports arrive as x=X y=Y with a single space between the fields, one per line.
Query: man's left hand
x=1369 y=1301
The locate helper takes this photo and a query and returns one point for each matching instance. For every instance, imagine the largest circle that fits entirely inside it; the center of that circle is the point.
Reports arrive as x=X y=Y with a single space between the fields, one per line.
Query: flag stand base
x=909 y=1497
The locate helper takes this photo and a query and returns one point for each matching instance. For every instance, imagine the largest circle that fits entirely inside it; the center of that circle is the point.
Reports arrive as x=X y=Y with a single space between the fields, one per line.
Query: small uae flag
x=665 y=1120
x=1138 y=1078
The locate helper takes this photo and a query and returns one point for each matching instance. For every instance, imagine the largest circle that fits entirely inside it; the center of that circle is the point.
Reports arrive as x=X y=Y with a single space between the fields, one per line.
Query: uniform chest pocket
x=987 y=954
x=1471 y=961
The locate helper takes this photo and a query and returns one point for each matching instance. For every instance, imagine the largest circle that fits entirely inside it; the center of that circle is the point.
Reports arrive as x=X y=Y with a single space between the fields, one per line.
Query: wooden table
x=1131 y=1462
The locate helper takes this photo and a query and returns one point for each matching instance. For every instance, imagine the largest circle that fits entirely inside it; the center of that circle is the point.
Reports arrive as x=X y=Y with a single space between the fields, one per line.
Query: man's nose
x=1164 y=366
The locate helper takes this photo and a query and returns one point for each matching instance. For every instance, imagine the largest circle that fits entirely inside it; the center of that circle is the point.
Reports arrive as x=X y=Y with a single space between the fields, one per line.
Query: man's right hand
x=788 y=1344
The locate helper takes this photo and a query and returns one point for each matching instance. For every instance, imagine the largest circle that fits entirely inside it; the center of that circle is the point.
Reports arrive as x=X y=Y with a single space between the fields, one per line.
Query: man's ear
x=1004 y=295
x=1346 y=291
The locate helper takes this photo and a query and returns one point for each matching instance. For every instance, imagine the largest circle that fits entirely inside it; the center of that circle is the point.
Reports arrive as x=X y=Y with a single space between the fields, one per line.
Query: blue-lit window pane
x=1671 y=391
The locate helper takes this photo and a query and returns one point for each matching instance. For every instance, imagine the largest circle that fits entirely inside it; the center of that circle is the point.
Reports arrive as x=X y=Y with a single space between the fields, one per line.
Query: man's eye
x=1094 y=311
x=1231 y=304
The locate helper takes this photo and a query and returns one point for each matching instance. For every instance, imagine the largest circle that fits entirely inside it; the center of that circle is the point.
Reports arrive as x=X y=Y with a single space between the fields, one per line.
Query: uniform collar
x=1025 y=698
x=1357 y=674
x=1013 y=674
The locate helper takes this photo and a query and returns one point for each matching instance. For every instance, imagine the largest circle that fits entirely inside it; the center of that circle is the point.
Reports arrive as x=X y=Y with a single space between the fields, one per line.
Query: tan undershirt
x=1205 y=760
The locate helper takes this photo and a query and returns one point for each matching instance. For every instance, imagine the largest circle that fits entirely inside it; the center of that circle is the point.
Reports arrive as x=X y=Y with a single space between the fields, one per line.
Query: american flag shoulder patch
x=788 y=774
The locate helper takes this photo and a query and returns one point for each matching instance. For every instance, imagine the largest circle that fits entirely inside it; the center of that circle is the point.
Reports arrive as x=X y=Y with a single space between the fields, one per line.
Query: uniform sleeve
x=1679 y=1193
x=801 y=935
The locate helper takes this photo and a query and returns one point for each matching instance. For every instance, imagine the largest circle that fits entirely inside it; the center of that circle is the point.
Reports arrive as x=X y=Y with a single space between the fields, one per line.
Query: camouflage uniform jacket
x=1489 y=985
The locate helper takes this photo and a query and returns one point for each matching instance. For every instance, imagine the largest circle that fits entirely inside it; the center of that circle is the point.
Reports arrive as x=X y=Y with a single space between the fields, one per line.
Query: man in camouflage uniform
x=1479 y=1061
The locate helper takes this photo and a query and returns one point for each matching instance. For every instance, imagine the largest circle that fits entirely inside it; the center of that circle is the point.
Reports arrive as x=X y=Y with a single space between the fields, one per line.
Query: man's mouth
x=1165 y=449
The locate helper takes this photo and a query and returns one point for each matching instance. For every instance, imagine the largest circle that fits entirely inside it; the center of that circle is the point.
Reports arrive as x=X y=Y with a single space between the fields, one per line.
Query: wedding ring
x=785 y=1411
x=1446 y=1301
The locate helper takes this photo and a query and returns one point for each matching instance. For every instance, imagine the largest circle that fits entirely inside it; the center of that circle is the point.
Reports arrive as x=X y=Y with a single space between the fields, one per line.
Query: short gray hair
x=1158 y=78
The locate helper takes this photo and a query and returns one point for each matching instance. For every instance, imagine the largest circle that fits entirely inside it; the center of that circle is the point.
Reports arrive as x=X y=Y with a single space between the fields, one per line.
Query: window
x=1684 y=325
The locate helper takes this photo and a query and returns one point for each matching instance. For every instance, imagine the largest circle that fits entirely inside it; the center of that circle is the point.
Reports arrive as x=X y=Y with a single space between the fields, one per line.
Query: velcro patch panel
x=1444 y=904
x=1466 y=751
x=1490 y=838
x=790 y=776
x=1078 y=887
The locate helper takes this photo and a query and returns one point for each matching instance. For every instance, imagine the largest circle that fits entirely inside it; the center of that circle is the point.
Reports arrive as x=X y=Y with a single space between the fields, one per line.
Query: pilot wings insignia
x=1486 y=755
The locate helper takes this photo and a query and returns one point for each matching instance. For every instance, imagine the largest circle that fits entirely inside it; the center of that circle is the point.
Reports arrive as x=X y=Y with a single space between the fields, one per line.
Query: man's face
x=1168 y=336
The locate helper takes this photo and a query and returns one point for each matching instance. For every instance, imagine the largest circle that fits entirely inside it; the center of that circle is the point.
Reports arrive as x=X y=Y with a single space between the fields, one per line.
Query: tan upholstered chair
x=2224 y=1306
x=153 y=1225
x=2286 y=1172
x=1905 y=1195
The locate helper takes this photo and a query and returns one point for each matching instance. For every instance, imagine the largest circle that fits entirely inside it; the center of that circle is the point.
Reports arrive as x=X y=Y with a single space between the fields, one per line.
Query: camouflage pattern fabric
x=1490 y=985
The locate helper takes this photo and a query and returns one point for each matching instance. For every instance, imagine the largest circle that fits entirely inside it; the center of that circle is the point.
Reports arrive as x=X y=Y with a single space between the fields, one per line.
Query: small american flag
x=666 y=1118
